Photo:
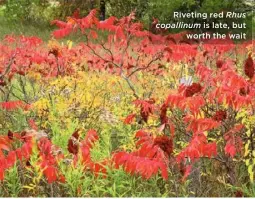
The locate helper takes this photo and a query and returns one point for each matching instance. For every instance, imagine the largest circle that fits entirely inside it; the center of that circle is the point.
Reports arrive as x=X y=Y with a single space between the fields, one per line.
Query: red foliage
x=223 y=86
x=198 y=147
x=129 y=119
x=32 y=124
x=86 y=146
x=140 y=165
x=147 y=107
x=234 y=142
x=51 y=174
x=200 y=125
x=152 y=156
x=48 y=161
x=13 y=105
x=22 y=153
x=186 y=172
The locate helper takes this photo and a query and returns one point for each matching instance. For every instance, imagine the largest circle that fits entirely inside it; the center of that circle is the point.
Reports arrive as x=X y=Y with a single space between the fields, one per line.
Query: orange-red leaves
x=62 y=32
x=149 y=159
x=186 y=172
x=230 y=149
x=233 y=140
x=198 y=147
x=147 y=107
x=108 y=23
x=129 y=119
x=32 y=124
x=4 y=145
x=140 y=165
x=60 y=24
x=90 y=138
x=13 y=105
x=50 y=173
x=201 y=125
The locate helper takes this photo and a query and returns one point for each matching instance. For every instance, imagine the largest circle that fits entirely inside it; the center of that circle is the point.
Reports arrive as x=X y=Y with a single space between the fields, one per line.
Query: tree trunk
x=92 y=4
x=102 y=10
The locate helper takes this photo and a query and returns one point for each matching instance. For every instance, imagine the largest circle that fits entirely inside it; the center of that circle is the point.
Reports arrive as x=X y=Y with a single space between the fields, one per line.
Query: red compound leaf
x=14 y=105
x=129 y=119
x=50 y=173
x=147 y=107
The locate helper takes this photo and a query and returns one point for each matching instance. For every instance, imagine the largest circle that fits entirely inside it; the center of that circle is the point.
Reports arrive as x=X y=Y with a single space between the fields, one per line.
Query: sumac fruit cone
x=249 y=67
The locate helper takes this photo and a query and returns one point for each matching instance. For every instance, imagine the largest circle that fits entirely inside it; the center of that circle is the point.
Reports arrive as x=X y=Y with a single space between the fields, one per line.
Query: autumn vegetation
x=125 y=112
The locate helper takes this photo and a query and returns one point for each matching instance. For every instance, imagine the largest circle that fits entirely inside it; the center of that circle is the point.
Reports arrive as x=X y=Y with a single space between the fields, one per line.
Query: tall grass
x=27 y=29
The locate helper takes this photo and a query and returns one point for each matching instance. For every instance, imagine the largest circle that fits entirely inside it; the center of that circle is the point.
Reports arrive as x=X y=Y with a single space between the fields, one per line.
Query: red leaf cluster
x=147 y=107
x=234 y=142
x=201 y=124
x=86 y=146
x=48 y=161
x=198 y=147
x=129 y=119
x=14 y=105
x=22 y=153
x=152 y=156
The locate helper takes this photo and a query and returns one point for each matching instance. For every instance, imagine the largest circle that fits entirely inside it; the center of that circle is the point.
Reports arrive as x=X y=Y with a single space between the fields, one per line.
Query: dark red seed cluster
x=249 y=67
x=163 y=112
x=219 y=63
x=239 y=194
x=165 y=143
x=55 y=52
x=2 y=83
x=10 y=135
x=145 y=115
x=220 y=115
x=193 y=89
x=72 y=145
x=244 y=91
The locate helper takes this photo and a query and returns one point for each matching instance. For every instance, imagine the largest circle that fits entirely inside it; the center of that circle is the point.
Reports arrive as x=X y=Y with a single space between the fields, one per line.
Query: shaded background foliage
x=40 y=12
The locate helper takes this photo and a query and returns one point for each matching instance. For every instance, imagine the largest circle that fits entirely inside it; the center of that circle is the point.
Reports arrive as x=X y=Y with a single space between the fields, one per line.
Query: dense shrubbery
x=41 y=11
x=112 y=116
